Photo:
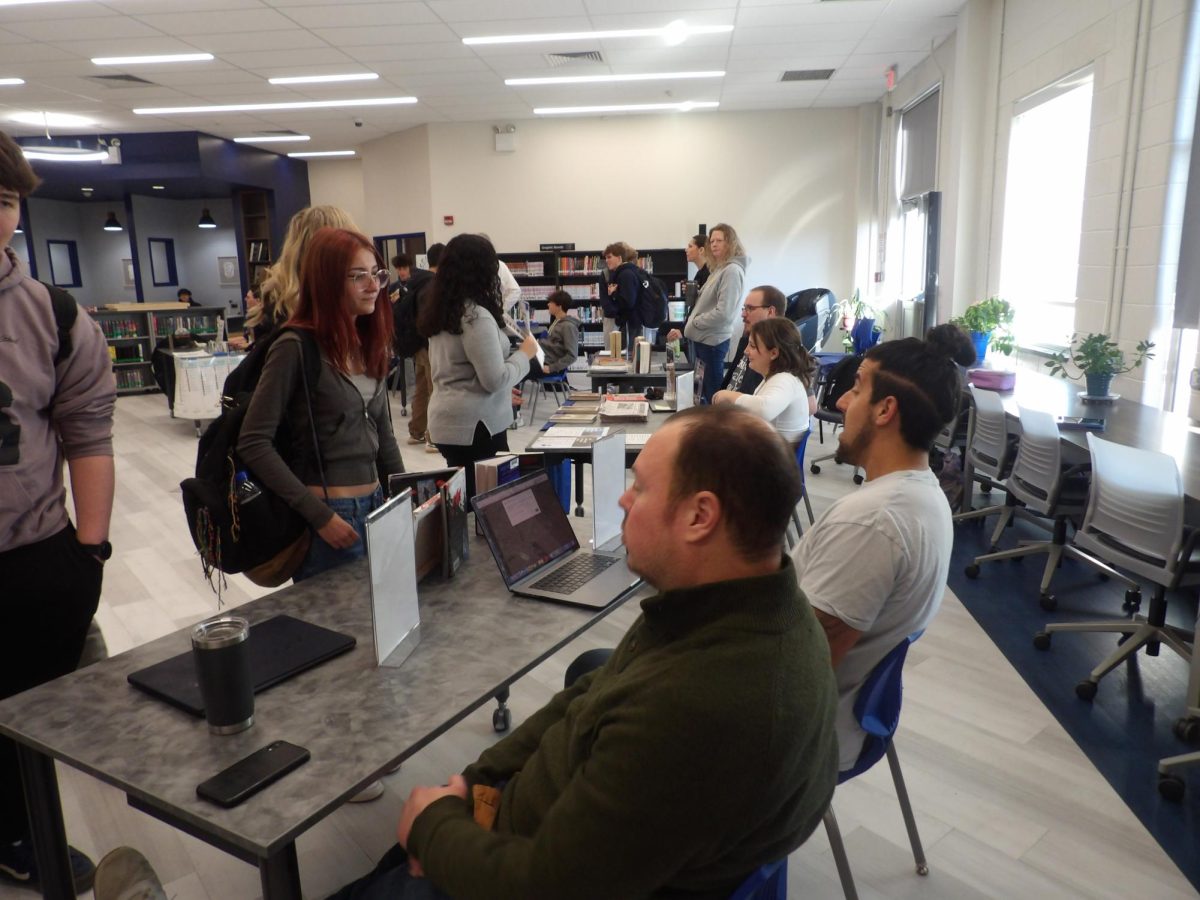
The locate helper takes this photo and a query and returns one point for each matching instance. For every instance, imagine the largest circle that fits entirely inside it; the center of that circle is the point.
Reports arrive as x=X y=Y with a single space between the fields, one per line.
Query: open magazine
x=440 y=534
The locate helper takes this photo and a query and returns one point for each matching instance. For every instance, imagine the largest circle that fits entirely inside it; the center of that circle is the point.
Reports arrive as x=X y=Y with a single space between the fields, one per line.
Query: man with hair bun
x=874 y=565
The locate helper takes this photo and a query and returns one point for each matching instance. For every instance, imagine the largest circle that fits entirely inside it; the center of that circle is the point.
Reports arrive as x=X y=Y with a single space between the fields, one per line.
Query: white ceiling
x=417 y=49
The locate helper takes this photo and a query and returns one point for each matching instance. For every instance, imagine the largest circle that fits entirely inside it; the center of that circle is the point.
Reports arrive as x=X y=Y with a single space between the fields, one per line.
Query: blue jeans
x=390 y=881
x=713 y=357
x=321 y=556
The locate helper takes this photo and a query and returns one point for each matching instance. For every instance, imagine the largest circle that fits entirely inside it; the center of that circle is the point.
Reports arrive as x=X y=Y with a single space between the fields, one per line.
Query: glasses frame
x=381 y=277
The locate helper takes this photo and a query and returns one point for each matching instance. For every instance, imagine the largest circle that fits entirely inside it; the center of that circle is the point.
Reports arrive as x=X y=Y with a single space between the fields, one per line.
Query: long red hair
x=323 y=308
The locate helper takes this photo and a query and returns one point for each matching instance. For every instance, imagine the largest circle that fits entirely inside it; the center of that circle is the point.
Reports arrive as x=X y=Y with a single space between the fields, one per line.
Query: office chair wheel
x=815 y=469
x=1041 y=640
x=923 y=869
x=501 y=719
x=1187 y=730
x=1133 y=601
x=1086 y=690
x=985 y=487
x=858 y=479
x=1171 y=787
x=972 y=570
x=1048 y=601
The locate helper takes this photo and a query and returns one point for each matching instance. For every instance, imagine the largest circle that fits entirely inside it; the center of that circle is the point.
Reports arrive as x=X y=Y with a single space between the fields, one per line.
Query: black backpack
x=65 y=312
x=839 y=380
x=652 y=299
x=234 y=536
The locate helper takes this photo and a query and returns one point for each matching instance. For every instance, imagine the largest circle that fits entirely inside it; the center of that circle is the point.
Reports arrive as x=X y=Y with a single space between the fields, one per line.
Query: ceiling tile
x=184 y=23
x=485 y=10
x=777 y=14
x=368 y=14
x=235 y=41
x=77 y=29
x=681 y=7
x=369 y=35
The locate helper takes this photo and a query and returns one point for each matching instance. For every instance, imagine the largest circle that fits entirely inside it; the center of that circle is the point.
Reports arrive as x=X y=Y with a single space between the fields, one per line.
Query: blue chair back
x=768 y=883
x=555 y=376
x=800 y=453
x=864 y=336
x=877 y=707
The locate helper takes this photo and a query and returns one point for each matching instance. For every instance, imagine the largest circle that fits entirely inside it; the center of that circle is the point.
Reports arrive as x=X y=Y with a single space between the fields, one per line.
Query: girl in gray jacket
x=473 y=368
x=710 y=326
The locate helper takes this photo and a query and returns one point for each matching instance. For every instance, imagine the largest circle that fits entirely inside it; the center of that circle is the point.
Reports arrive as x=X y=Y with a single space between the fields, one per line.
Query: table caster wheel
x=1133 y=601
x=815 y=469
x=923 y=869
x=1041 y=640
x=858 y=479
x=1188 y=730
x=1048 y=602
x=501 y=719
x=1171 y=787
x=1086 y=690
x=972 y=570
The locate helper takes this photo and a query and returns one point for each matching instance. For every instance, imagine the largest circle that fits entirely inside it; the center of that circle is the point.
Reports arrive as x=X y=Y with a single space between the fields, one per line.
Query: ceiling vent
x=120 y=81
x=807 y=75
x=574 y=58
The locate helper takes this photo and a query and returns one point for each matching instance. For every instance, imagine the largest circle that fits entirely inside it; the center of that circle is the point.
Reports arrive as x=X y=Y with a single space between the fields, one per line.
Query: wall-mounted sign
x=447 y=220
x=550 y=248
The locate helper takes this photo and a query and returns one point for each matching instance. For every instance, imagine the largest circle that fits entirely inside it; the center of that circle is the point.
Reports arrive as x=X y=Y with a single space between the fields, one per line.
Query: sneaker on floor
x=17 y=864
x=124 y=874
x=431 y=448
x=392 y=770
x=372 y=791
x=416 y=440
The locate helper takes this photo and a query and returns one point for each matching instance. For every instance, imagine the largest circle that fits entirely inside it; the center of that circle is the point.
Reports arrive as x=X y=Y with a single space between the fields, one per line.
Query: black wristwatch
x=102 y=551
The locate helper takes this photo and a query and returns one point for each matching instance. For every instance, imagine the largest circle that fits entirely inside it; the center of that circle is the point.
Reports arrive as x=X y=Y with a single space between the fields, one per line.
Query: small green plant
x=991 y=316
x=1097 y=354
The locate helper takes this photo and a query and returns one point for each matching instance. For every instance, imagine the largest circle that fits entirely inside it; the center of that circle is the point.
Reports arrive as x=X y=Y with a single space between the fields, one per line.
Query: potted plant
x=988 y=322
x=1098 y=359
x=861 y=323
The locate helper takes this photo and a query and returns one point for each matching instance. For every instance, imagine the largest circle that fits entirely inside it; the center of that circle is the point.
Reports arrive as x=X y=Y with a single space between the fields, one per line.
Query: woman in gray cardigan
x=473 y=368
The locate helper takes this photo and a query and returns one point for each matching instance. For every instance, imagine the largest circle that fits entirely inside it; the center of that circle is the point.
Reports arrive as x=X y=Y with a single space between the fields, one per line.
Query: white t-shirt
x=877 y=559
x=510 y=291
x=782 y=401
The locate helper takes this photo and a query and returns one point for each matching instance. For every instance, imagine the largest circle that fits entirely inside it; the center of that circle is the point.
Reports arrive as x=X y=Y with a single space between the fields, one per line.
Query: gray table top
x=355 y=718
x=654 y=422
x=1126 y=422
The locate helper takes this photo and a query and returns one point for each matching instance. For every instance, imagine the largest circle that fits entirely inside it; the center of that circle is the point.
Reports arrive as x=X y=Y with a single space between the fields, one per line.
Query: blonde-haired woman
x=710 y=326
x=281 y=284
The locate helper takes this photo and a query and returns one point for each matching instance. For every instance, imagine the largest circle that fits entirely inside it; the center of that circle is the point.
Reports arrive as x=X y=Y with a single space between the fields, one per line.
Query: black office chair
x=839 y=380
x=819 y=304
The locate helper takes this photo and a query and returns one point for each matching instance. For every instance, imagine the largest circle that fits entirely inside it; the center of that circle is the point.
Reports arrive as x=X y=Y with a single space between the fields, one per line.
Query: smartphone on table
x=252 y=773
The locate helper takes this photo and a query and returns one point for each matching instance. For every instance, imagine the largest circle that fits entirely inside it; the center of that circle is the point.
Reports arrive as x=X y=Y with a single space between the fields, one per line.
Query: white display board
x=199 y=377
x=395 y=616
x=608 y=484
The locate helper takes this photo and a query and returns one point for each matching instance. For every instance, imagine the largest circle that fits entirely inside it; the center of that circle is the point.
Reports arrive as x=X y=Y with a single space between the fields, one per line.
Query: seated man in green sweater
x=703 y=749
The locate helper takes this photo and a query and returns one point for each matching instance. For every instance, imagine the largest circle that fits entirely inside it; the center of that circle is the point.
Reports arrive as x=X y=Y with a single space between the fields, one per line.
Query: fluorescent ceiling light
x=321 y=79
x=271 y=138
x=48 y=154
x=61 y=120
x=158 y=187
x=9 y=82
x=30 y=2
x=598 y=79
x=674 y=33
x=159 y=58
x=258 y=107
x=308 y=153
x=685 y=106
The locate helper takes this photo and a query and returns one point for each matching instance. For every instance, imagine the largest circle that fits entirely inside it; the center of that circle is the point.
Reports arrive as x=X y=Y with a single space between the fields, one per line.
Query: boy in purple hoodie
x=56 y=403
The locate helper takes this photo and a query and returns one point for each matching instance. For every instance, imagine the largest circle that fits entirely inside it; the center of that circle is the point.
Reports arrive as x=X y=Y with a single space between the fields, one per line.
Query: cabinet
x=578 y=273
x=132 y=335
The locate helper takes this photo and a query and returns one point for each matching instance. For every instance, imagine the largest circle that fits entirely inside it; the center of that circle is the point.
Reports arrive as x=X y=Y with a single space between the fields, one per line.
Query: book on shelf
x=624 y=411
x=528 y=268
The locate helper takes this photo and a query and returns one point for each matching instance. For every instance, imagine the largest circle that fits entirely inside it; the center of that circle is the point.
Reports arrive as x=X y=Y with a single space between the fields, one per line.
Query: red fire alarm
x=891 y=78
x=447 y=220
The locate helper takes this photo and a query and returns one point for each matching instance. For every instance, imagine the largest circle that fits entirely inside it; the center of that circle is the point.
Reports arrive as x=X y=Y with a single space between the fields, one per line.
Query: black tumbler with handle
x=221 y=649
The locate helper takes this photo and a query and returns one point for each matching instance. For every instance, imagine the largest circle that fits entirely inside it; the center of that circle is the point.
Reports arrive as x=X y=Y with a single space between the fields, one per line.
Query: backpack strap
x=310 y=357
x=66 y=310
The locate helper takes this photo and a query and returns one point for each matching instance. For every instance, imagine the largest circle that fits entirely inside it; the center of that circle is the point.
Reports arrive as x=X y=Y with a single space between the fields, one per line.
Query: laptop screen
x=525 y=525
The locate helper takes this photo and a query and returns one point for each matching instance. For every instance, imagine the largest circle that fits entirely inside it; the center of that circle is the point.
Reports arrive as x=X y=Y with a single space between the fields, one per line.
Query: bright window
x=1043 y=209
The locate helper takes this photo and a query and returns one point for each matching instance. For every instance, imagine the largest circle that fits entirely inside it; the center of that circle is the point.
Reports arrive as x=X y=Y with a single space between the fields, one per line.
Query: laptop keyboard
x=574 y=574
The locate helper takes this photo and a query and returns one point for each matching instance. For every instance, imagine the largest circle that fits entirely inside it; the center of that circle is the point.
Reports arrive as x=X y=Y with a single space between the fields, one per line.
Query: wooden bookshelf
x=256 y=234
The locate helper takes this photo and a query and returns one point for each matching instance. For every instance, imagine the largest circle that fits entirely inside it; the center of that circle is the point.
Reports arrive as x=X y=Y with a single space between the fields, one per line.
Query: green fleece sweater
x=703 y=749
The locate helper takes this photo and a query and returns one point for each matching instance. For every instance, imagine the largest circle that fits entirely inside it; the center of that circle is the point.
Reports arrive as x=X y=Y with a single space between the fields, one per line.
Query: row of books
x=532 y=293
x=130 y=379
x=594 y=264
x=193 y=324
x=531 y=268
x=120 y=328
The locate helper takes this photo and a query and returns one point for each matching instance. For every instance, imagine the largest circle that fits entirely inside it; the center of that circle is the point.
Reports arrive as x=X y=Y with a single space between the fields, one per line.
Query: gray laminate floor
x=1007 y=805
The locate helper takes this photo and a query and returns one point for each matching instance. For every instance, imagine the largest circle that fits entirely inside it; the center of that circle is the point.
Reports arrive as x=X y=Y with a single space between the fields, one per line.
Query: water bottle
x=247 y=490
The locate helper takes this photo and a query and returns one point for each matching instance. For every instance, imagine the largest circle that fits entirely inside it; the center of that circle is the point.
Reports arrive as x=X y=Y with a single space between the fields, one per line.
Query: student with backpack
x=57 y=396
x=343 y=310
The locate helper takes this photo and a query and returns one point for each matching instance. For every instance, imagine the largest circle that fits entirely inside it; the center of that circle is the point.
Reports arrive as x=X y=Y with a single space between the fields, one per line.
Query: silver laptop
x=537 y=551
x=395 y=617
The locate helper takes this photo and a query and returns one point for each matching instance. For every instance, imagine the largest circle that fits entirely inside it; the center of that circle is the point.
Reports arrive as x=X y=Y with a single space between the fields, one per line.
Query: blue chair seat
x=769 y=882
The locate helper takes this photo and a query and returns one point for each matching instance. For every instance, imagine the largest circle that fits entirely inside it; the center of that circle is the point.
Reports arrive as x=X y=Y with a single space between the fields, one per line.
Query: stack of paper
x=624 y=411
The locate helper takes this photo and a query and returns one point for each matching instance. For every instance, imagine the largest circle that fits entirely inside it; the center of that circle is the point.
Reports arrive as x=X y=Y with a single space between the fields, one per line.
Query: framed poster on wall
x=127 y=271
x=227 y=272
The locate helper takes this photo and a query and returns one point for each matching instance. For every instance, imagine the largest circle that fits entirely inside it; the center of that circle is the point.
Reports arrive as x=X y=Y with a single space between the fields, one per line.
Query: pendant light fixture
x=111 y=223
x=206 y=219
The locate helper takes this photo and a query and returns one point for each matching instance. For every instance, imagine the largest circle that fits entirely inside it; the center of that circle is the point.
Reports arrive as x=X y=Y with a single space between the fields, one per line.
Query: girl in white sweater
x=776 y=352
